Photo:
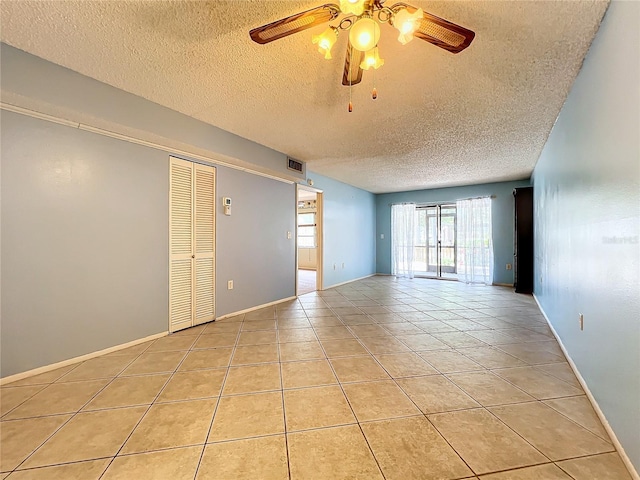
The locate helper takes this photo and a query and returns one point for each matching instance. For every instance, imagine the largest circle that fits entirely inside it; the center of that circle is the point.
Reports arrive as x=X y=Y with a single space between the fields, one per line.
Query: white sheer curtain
x=474 y=244
x=403 y=220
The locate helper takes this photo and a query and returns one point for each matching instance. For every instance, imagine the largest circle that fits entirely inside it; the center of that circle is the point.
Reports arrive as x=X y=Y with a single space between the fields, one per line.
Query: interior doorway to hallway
x=308 y=240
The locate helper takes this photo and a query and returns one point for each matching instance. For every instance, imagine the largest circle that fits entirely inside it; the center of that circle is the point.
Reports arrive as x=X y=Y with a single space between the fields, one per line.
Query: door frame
x=319 y=234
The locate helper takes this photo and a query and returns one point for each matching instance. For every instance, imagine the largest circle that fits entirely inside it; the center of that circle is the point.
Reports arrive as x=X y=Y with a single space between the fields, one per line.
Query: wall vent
x=295 y=165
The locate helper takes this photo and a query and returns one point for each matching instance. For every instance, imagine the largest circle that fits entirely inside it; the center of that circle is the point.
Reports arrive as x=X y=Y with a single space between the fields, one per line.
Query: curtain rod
x=441 y=202
x=476 y=198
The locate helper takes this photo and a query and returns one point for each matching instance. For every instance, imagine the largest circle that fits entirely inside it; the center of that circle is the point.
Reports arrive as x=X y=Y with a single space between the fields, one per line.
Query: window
x=307 y=230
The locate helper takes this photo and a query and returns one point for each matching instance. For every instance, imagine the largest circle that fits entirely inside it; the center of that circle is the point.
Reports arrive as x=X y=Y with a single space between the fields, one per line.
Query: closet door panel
x=204 y=188
x=181 y=245
x=205 y=298
x=181 y=209
x=181 y=295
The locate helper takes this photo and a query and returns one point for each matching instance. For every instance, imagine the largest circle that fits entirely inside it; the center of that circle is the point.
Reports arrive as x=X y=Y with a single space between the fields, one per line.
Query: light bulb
x=364 y=34
x=355 y=7
x=325 y=41
x=407 y=23
x=406 y=27
x=372 y=60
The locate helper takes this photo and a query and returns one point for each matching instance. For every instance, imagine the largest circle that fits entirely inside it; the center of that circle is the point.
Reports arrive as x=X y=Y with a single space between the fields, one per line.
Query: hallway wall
x=587 y=223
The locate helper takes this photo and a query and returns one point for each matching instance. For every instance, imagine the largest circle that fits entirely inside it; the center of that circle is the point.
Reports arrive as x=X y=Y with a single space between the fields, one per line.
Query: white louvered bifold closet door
x=205 y=180
x=192 y=233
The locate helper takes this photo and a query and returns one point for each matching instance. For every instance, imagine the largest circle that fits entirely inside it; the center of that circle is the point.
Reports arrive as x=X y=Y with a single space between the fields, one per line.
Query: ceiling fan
x=362 y=18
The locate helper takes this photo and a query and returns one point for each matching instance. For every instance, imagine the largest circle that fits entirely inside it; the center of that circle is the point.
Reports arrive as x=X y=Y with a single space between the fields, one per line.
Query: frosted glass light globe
x=364 y=34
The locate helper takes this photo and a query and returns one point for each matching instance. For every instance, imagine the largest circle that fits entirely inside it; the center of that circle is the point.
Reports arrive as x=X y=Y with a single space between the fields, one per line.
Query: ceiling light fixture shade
x=372 y=60
x=407 y=23
x=364 y=34
x=325 y=41
x=355 y=7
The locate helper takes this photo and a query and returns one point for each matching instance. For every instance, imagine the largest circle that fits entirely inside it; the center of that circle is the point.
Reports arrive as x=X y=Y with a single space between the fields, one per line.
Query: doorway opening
x=435 y=248
x=308 y=240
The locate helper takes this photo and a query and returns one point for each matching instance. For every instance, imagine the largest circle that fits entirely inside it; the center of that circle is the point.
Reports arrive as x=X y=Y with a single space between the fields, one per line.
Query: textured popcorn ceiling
x=440 y=119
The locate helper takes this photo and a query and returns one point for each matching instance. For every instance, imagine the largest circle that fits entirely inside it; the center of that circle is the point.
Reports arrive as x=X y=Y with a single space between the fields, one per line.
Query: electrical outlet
x=289 y=235
x=581 y=319
x=382 y=236
x=508 y=266
x=230 y=285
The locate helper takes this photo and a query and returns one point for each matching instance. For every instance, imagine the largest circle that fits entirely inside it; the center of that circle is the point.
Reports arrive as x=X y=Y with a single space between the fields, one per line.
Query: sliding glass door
x=435 y=248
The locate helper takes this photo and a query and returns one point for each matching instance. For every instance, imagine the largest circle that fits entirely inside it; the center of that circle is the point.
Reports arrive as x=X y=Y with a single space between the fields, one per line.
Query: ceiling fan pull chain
x=374 y=92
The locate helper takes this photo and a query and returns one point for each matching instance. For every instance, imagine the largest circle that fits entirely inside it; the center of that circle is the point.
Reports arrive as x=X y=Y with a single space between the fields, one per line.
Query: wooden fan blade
x=440 y=32
x=352 y=72
x=295 y=23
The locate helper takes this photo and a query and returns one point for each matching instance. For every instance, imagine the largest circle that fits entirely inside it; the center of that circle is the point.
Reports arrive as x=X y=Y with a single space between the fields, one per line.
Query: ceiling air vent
x=294 y=165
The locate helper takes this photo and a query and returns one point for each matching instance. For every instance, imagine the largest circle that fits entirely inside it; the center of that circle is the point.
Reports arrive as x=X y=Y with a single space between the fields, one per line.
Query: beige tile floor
x=378 y=379
x=306 y=281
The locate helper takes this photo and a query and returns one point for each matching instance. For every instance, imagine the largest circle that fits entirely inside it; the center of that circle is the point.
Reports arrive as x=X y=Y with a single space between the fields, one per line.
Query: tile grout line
x=351 y=295
x=425 y=415
x=215 y=409
x=44 y=387
x=354 y=415
x=284 y=410
x=608 y=440
x=418 y=409
x=536 y=400
x=153 y=402
x=73 y=415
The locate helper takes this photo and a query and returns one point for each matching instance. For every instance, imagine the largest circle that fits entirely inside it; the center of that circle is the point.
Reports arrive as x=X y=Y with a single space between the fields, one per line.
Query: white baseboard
x=594 y=403
x=503 y=284
x=349 y=281
x=81 y=358
x=88 y=356
x=257 y=307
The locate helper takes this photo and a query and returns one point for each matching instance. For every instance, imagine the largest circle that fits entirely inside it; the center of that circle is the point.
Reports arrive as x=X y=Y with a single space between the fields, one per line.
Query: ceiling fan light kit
x=364 y=34
x=325 y=41
x=372 y=60
x=354 y=7
x=407 y=23
x=362 y=18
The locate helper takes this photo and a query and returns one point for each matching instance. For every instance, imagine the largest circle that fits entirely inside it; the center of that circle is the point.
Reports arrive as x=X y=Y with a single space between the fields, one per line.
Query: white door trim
x=319 y=232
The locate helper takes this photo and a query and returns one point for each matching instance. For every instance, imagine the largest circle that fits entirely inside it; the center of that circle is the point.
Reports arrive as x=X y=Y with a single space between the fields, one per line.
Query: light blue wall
x=84 y=223
x=84 y=245
x=349 y=231
x=252 y=245
x=97 y=279
x=501 y=212
x=587 y=223
x=34 y=83
x=84 y=242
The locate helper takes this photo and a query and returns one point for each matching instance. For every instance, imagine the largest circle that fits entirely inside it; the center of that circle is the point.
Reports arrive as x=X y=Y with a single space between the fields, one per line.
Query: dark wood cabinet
x=523 y=240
